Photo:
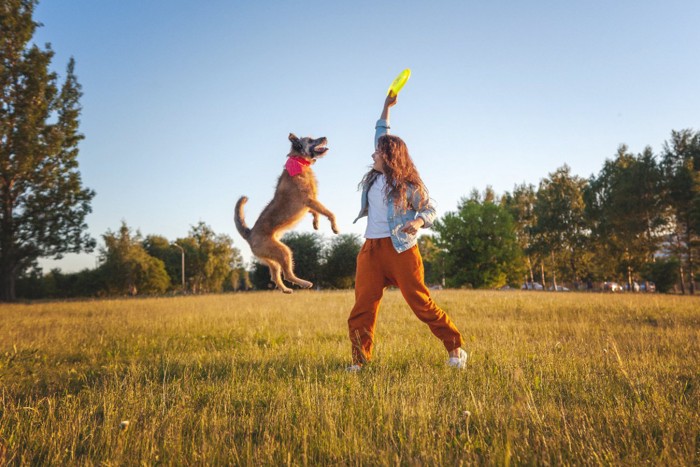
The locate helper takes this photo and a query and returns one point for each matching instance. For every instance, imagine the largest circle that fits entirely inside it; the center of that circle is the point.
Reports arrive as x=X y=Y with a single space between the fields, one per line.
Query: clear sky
x=187 y=104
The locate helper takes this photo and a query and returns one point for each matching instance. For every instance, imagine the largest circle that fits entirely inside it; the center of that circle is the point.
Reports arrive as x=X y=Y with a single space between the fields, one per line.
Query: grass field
x=258 y=378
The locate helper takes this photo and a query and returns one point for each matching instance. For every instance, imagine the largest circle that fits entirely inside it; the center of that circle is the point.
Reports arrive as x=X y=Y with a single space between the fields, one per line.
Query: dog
x=295 y=196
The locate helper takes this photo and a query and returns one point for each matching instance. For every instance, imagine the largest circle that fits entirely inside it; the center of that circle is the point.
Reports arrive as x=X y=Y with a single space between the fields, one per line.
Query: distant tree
x=433 y=260
x=161 y=248
x=625 y=208
x=340 y=261
x=43 y=204
x=681 y=167
x=239 y=279
x=32 y=285
x=479 y=243
x=56 y=284
x=307 y=249
x=521 y=206
x=126 y=266
x=260 y=276
x=209 y=258
x=664 y=273
x=560 y=230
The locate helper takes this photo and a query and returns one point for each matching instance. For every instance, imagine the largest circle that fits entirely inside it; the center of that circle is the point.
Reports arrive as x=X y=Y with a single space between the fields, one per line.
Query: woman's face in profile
x=378 y=159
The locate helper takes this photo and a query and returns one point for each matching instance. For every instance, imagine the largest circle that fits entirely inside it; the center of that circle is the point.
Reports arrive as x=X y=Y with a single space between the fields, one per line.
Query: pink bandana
x=295 y=165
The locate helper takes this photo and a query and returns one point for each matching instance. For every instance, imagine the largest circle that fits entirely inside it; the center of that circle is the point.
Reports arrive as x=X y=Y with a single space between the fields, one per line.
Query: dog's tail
x=240 y=220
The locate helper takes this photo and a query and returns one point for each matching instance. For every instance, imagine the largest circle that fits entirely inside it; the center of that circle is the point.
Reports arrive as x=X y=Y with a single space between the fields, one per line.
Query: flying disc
x=399 y=82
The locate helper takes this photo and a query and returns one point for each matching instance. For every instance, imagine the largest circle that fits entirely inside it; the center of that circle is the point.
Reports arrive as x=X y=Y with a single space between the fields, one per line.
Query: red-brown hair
x=399 y=170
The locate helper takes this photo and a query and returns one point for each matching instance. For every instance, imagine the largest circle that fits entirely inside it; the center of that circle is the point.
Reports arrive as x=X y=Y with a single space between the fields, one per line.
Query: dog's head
x=309 y=148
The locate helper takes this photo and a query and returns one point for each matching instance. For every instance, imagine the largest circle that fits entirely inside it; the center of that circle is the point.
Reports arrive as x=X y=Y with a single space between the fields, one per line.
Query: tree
x=56 y=284
x=161 y=248
x=521 y=206
x=479 y=243
x=260 y=276
x=560 y=229
x=128 y=268
x=433 y=260
x=307 y=252
x=681 y=167
x=209 y=258
x=340 y=261
x=664 y=273
x=239 y=279
x=624 y=205
x=42 y=202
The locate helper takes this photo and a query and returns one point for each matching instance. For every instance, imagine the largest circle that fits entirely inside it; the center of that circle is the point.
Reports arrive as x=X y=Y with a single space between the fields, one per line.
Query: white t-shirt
x=377 y=219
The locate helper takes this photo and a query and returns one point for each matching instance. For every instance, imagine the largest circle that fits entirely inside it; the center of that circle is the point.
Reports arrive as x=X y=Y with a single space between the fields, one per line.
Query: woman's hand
x=411 y=227
x=388 y=103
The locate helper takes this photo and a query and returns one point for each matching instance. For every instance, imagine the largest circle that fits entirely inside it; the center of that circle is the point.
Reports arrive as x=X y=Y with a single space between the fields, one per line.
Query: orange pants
x=379 y=266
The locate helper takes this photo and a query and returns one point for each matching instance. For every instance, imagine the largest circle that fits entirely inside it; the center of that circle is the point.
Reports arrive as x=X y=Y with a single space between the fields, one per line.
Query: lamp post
x=183 y=265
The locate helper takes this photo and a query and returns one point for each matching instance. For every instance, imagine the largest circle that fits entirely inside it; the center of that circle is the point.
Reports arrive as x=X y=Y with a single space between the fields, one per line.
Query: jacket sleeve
x=427 y=212
x=380 y=129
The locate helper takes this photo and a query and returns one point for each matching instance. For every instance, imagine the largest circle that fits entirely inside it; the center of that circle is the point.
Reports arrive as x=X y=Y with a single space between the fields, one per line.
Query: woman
x=396 y=202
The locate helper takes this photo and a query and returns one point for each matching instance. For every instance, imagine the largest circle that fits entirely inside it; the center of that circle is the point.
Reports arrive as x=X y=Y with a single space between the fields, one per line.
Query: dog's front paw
x=334 y=226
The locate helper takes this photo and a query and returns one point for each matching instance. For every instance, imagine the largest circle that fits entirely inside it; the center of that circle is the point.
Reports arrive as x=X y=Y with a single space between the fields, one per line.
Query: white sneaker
x=353 y=368
x=459 y=362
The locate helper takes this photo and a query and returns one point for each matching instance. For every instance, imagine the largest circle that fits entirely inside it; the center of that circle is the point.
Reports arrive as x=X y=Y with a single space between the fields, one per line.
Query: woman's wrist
x=389 y=102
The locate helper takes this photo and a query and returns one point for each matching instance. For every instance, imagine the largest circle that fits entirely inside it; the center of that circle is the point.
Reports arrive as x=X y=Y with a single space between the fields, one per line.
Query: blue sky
x=187 y=104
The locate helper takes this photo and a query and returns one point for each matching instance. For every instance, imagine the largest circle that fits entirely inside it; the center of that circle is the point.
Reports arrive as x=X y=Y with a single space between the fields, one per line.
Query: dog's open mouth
x=320 y=149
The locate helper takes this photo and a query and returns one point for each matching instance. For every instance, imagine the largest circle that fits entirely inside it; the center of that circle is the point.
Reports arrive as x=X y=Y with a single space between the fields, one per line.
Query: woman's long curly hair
x=399 y=171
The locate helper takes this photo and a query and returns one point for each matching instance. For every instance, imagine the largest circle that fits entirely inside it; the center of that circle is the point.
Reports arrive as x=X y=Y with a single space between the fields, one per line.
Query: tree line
x=203 y=262
x=637 y=220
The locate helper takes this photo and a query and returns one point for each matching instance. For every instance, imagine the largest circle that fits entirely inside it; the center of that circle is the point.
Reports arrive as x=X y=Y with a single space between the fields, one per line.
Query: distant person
x=397 y=204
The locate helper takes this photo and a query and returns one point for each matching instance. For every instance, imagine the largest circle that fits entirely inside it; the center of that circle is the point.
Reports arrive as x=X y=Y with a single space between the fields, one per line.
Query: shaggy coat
x=295 y=196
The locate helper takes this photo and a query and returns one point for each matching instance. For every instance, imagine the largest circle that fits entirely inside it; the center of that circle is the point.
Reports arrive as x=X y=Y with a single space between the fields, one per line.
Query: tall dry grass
x=259 y=378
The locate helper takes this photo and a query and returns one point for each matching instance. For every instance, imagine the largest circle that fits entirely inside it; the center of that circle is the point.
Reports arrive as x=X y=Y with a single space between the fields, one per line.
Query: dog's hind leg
x=275 y=274
x=285 y=259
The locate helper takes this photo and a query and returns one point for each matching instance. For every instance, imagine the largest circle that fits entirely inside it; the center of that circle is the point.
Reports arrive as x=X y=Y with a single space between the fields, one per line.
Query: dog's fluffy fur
x=294 y=197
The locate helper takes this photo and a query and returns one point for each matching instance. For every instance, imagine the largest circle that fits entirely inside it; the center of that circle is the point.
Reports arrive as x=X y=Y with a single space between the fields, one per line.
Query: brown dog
x=295 y=195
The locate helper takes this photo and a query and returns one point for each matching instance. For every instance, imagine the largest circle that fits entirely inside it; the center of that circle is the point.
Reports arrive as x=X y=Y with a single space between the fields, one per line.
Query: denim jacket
x=402 y=241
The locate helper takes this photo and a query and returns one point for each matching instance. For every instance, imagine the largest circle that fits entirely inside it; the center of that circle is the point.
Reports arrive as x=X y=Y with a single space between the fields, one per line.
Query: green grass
x=258 y=378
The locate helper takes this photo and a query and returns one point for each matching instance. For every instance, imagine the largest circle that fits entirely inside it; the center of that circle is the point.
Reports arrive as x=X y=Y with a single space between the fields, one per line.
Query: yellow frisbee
x=399 y=82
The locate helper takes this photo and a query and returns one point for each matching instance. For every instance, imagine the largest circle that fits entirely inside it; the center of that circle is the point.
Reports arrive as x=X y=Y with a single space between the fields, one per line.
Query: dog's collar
x=296 y=165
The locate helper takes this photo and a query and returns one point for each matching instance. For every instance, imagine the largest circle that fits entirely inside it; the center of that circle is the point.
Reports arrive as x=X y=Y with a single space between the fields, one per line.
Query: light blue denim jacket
x=401 y=240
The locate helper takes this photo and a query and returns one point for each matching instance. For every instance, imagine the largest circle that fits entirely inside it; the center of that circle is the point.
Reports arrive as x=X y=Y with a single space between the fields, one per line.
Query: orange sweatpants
x=379 y=266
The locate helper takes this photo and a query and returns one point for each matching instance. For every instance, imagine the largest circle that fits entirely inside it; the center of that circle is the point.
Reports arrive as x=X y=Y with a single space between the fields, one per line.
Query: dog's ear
x=296 y=143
